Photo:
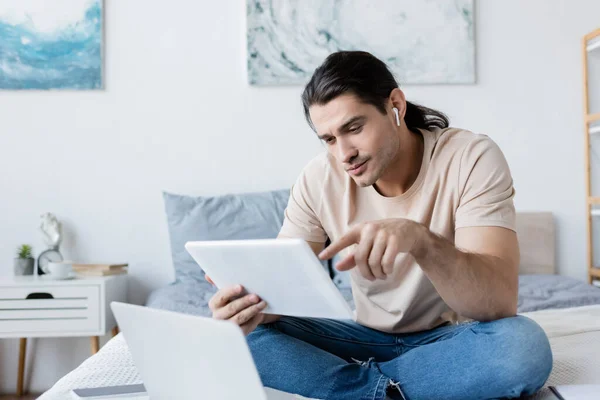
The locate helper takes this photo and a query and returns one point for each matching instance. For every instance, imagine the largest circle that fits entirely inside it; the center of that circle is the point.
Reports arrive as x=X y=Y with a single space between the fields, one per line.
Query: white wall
x=178 y=115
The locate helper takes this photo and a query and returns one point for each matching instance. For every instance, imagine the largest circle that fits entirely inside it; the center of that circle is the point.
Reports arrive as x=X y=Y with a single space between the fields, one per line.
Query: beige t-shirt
x=464 y=181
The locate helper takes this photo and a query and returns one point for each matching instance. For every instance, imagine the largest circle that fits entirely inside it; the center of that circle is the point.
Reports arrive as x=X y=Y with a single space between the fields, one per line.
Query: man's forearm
x=481 y=287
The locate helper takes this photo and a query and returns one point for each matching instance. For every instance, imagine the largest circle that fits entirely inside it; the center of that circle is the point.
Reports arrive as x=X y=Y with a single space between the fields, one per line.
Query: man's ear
x=398 y=100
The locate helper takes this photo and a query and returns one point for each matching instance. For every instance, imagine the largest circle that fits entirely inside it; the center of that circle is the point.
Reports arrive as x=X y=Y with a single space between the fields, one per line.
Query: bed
x=567 y=309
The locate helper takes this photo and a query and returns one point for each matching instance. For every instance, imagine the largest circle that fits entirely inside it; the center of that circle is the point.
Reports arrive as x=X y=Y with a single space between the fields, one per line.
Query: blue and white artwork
x=51 y=44
x=423 y=41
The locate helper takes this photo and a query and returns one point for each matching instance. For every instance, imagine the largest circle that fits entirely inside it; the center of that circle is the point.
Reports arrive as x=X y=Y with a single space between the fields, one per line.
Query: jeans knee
x=258 y=336
x=525 y=356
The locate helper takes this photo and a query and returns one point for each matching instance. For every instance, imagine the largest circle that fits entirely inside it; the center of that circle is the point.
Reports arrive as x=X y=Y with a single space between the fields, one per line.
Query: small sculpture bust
x=51 y=230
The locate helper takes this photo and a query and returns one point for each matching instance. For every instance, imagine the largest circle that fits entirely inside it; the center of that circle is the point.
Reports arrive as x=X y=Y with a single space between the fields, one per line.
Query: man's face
x=361 y=139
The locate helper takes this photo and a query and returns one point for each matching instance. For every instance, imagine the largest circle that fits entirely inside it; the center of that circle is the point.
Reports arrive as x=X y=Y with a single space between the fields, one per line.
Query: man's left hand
x=378 y=245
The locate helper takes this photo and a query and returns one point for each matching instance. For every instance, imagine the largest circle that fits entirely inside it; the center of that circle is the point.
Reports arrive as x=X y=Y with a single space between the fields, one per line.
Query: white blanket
x=574 y=335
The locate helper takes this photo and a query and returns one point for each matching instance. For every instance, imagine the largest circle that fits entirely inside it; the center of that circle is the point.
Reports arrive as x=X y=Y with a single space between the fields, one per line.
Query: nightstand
x=32 y=306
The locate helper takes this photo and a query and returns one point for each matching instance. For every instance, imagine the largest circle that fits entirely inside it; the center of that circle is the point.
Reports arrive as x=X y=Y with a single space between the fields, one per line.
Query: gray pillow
x=228 y=217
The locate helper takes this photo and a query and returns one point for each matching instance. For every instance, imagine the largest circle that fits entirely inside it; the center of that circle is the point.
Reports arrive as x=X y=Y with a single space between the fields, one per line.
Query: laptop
x=183 y=356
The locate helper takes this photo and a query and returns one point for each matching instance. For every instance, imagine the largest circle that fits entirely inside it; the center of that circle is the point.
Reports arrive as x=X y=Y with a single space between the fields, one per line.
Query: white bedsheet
x=574 y=335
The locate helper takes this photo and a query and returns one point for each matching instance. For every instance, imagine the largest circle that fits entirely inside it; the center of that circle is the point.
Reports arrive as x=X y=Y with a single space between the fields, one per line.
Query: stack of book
x=99 y=269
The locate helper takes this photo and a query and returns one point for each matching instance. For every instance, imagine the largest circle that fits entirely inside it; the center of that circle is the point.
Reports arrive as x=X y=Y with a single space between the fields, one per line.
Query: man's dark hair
x=364 y=75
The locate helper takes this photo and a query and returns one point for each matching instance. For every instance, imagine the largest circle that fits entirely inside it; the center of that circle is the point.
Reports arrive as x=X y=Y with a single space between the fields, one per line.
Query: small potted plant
x=24 y=261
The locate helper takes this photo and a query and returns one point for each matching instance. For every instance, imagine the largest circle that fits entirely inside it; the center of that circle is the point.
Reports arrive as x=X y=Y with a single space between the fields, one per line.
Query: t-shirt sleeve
x=301 y=214
x=486 y=187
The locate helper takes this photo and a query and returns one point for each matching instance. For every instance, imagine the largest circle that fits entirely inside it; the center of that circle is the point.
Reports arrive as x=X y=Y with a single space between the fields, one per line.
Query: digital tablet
x=284 y=272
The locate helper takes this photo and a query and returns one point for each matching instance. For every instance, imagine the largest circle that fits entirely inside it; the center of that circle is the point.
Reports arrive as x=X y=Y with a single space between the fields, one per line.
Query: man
x=424 y=216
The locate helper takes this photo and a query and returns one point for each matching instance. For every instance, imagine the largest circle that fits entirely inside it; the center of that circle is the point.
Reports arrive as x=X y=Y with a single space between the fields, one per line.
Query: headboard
x=536 y=235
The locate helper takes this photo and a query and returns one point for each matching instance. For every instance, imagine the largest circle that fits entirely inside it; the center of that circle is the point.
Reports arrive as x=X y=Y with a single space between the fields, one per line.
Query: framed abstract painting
x=54 y=44
x=423 y=42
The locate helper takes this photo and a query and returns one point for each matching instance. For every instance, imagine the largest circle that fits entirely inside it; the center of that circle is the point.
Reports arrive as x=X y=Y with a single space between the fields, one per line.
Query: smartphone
x=107 y=392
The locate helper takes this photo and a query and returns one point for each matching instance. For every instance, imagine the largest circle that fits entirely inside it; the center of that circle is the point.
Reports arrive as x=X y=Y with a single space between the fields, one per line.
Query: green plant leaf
x=25 y=251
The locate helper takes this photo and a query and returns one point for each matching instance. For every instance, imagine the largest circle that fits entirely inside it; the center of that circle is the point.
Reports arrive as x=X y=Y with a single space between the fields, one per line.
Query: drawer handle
x=39 y=295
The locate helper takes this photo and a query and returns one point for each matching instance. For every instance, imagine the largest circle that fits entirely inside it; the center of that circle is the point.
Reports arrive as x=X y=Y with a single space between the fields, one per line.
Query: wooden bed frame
x=536 y=234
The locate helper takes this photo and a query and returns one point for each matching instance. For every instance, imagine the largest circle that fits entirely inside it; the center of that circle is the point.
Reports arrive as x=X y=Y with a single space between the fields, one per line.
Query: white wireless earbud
x=397 y=116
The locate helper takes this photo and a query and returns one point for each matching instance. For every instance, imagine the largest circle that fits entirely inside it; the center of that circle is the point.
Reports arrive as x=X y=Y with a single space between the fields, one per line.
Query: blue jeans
x=329 y=359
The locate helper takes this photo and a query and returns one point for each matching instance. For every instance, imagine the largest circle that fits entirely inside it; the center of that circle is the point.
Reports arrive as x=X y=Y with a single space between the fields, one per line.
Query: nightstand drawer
x=48 y=309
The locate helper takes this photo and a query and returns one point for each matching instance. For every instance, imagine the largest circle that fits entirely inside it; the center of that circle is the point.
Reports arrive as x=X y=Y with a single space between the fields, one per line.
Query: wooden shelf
x=592 y=35
x=590 y=48
x=593 y=118
x=595 y=272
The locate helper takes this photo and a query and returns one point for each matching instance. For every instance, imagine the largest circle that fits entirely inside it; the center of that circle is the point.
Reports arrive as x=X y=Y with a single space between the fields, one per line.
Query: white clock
x=45 y=257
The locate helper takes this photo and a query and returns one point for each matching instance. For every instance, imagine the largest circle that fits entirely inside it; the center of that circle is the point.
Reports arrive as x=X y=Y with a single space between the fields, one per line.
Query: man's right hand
x=244 y=310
